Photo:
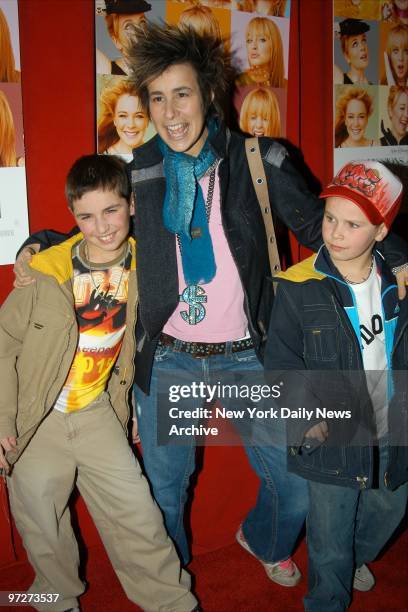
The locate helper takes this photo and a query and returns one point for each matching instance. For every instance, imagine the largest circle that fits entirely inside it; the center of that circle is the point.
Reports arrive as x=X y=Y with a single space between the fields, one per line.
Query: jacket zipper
x=398 y=339
x=132 y=370
x=362 y=480
x=49 y=406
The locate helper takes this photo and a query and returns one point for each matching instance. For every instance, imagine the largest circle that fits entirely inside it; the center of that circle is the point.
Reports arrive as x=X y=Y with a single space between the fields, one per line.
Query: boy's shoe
x=363 y=579
x=286 y=573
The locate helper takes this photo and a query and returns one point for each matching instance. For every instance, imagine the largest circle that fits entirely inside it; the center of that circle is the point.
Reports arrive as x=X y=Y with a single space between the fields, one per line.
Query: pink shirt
x=212 y=312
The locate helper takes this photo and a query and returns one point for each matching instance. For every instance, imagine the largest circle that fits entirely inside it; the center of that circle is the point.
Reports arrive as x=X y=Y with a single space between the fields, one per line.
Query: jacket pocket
x=46 y=323
x=331 y=461
x=44 y=348
x=321 y=333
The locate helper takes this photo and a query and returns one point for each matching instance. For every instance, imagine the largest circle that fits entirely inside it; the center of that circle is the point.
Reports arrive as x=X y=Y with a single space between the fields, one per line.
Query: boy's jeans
x=273 y=525
x=345 y=529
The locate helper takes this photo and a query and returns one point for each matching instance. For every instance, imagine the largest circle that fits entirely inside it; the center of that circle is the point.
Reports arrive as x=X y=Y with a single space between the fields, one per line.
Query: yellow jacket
x=38 y=340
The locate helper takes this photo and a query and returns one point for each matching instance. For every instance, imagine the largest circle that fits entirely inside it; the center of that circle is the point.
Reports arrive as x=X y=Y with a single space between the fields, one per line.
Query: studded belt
x=204 y=349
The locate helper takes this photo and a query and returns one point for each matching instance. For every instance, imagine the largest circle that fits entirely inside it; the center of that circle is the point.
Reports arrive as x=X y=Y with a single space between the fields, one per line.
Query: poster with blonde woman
x=11 y=122
x=122 y=121
x=206 y=20
x=394 y=116
x=274 y=8
x=394 y=52
x=13 y=195
x=356 y=117
x=9 y=42
x=225 y=4
x=259 y=113
x=263 y=58
x=357 y=9
x=395 y=11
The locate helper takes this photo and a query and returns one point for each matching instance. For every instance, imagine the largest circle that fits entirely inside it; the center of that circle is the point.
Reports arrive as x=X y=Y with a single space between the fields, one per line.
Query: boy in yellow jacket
x=66 y=351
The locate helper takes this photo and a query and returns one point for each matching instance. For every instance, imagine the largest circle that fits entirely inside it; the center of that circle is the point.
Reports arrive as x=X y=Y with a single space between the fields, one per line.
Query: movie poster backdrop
x=255 y=32
x=370 y=81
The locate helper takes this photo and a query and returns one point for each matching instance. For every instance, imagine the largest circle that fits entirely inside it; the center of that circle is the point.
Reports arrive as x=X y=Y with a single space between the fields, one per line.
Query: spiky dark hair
x=157 y=46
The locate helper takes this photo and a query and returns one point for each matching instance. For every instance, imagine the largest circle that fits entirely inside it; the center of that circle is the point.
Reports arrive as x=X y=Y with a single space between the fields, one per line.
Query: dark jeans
x=273 y=525
x=346 y=528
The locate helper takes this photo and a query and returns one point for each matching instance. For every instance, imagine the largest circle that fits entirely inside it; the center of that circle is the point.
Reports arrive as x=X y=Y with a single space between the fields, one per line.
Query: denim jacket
x=314 y=343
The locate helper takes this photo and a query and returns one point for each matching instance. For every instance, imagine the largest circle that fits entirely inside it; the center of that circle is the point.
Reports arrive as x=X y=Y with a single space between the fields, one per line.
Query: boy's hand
x=21 y=278
x=6 y=444
x=402 y=281
x=135 y=431
x=318 y=432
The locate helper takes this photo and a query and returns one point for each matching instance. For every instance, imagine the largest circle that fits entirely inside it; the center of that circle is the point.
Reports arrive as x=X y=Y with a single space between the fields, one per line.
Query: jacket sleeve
x=395 y=250
x=47 y=238
x=302 y=211
x=14 y=319
x=299 y=209
x=284 y=362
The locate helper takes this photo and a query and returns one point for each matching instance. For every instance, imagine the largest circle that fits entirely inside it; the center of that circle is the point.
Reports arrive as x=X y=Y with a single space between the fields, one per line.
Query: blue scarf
x=184 y=208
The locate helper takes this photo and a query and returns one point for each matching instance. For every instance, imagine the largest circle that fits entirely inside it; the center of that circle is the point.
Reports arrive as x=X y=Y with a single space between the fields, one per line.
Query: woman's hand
x=402 y=282
x=21 y=276
x=135 y=432
x=318 y=432
x=6 y=444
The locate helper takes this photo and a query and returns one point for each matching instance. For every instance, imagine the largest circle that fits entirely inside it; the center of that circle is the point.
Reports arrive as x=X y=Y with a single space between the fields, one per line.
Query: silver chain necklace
x=363 y=280
x=209 y=198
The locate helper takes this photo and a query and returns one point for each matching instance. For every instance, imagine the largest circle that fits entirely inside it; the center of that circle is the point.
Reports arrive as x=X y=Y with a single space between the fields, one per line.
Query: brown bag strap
x=259 y=180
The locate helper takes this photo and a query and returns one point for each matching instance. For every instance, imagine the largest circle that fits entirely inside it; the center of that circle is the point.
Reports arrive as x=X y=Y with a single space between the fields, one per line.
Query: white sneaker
x=286 y=573
x=363 y=579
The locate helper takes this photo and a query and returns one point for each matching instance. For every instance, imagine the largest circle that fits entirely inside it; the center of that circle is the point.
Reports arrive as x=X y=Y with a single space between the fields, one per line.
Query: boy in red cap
x=341 y=334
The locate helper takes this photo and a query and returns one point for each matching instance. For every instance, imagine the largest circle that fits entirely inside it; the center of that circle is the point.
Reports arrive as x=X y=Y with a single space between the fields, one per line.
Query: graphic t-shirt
x=100 y=294
x=372 y=338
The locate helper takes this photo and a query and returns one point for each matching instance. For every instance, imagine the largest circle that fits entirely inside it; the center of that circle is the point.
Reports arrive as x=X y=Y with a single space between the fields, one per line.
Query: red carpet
x=230 y=580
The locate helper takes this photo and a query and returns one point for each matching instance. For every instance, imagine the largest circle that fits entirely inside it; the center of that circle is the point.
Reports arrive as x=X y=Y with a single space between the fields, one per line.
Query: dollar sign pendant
x=194 y=296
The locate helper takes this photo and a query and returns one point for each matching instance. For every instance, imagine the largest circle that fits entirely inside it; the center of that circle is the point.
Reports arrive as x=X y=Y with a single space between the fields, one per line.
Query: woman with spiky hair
x=203 y=260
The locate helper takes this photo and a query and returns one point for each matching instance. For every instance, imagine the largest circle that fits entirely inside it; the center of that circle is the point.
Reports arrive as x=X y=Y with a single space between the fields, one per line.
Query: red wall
x=57 y=50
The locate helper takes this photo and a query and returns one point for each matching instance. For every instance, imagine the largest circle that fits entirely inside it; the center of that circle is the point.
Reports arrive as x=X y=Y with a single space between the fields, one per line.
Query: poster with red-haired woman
x=13 y=196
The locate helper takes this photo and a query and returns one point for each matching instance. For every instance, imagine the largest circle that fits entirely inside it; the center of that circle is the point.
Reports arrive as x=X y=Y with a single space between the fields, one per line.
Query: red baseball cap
x=370 y=185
